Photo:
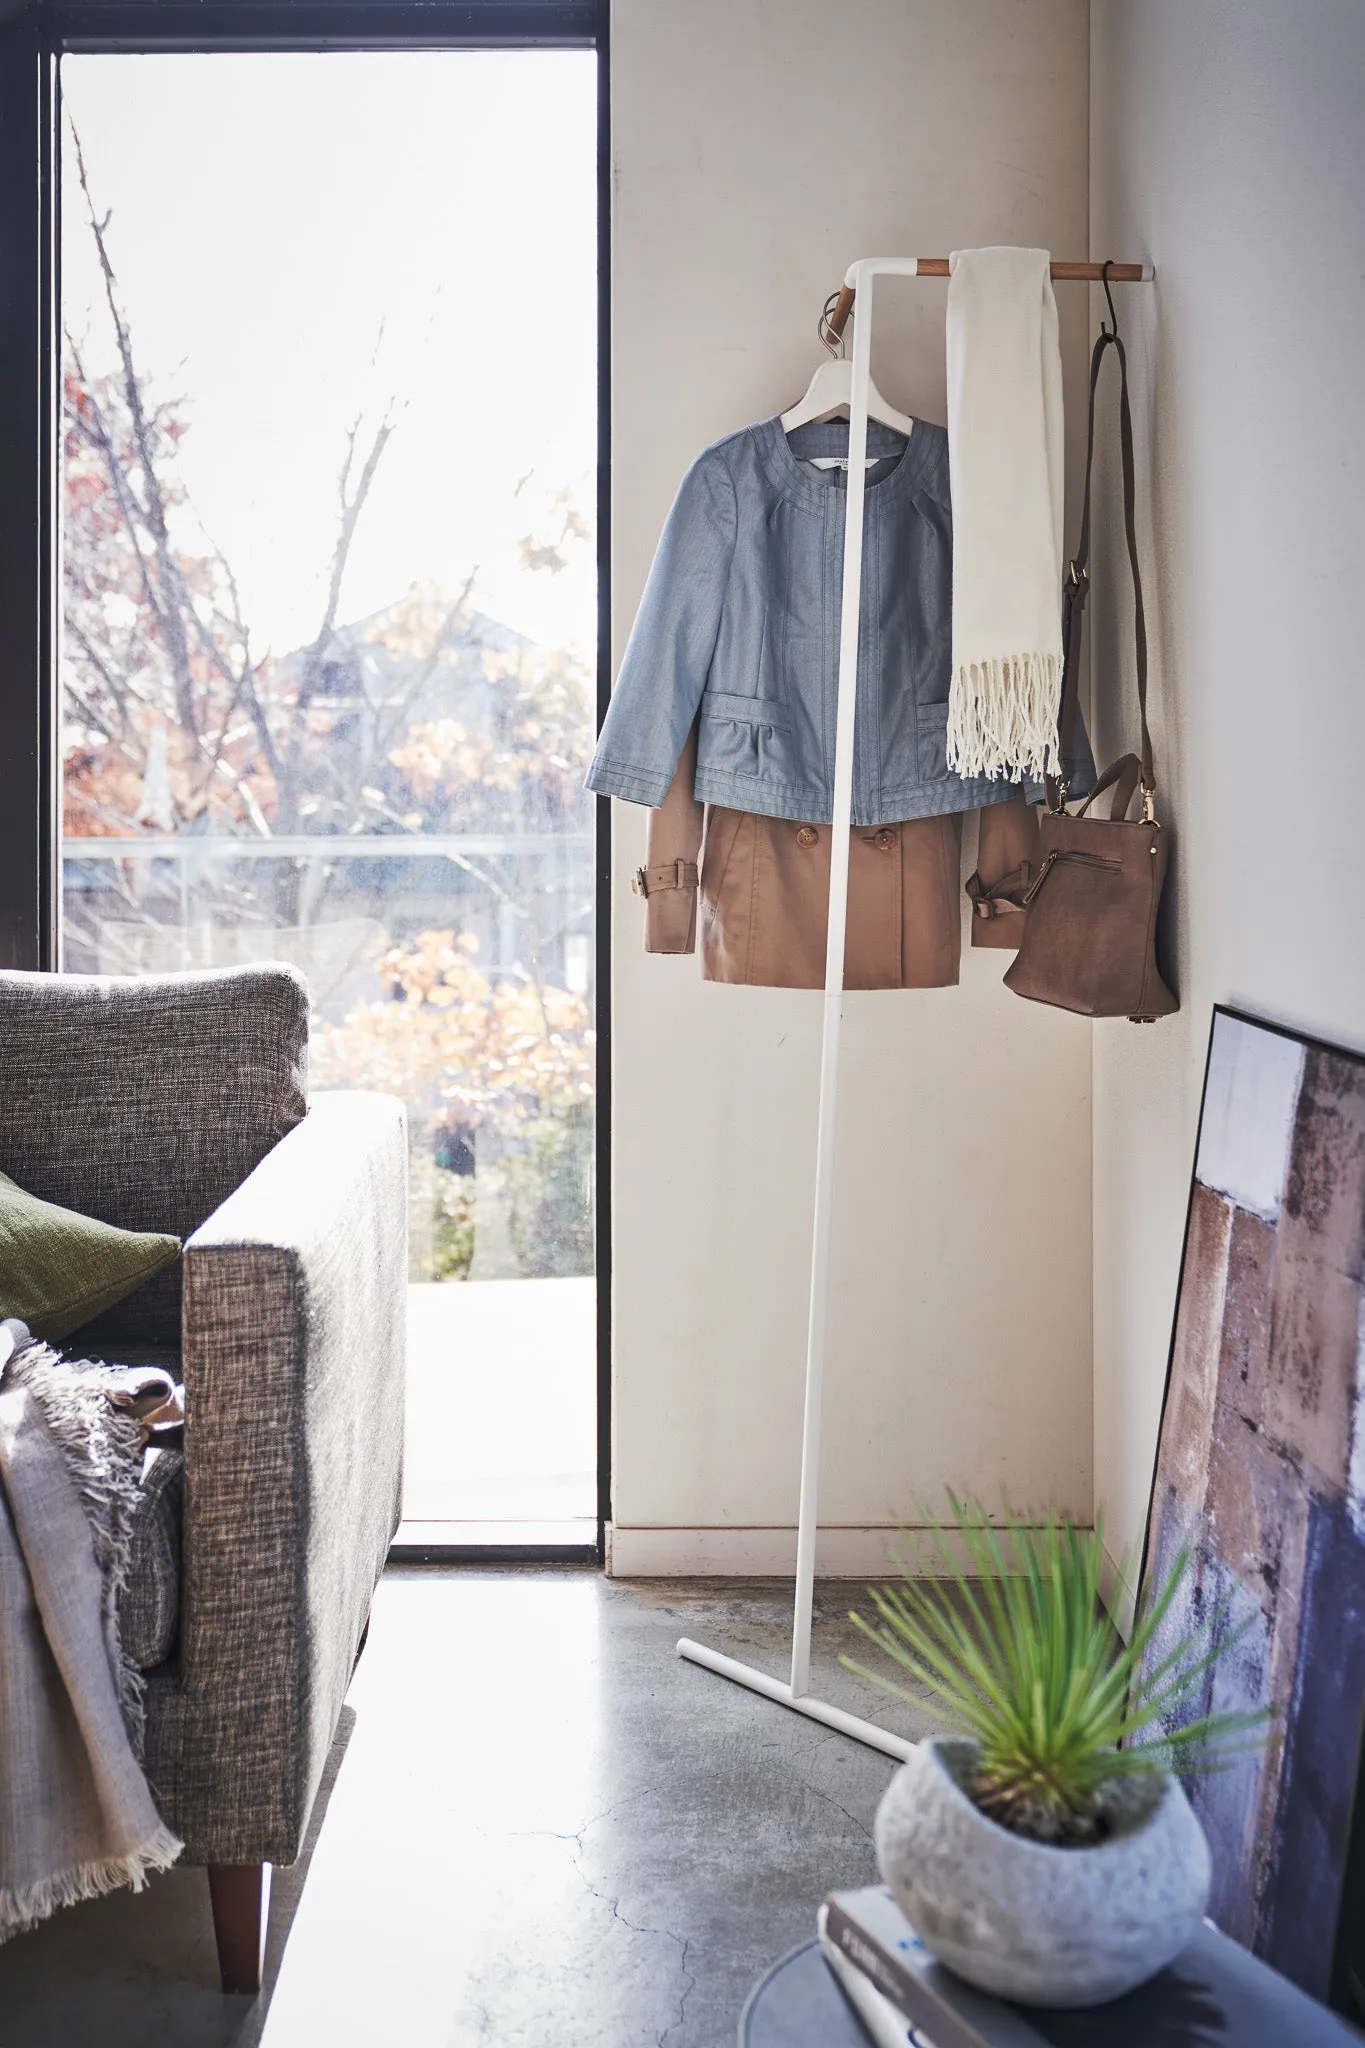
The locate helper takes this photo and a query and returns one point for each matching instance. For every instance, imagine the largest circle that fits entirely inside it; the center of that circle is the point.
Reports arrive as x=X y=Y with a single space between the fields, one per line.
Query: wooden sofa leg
x=240 y=1893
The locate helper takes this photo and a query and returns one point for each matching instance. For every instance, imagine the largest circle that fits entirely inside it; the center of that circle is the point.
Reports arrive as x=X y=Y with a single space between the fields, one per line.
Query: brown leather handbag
x=1090 y=928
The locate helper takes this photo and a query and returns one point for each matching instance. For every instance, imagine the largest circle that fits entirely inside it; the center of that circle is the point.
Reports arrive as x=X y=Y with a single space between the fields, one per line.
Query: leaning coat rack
x=858 y=282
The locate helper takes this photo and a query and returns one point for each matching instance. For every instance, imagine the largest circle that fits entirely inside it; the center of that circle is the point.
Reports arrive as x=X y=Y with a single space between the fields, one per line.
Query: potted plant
x=1046 y=1851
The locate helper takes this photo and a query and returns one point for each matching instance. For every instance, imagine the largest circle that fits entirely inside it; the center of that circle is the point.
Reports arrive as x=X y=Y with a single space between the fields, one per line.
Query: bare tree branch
x=352 y=503
x=351 y=509
x=95 y=430
x=174 y=595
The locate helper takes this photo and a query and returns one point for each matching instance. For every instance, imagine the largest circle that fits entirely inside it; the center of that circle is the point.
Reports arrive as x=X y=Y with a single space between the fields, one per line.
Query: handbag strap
x=1123 y=777
x=1077 y=588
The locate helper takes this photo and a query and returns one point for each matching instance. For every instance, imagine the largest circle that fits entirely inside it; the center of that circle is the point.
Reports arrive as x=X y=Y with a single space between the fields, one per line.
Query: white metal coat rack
x=858 y=282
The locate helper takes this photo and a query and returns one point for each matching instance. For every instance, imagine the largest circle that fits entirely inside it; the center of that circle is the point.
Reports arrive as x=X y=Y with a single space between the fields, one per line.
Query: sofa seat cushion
x=149 y=1605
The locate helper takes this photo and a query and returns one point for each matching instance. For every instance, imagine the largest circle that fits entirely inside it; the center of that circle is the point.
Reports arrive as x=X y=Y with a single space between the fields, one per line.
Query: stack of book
x=1214 y=1993
x=903 y=1998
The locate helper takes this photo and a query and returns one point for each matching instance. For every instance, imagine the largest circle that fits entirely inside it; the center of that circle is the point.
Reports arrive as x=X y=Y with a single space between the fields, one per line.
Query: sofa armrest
x=293 y=1353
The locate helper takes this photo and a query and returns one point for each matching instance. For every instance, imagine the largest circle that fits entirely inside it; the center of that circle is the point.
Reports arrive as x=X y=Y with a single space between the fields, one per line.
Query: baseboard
x=754 y=1553
x=841 y=1552
x=1119 y=1597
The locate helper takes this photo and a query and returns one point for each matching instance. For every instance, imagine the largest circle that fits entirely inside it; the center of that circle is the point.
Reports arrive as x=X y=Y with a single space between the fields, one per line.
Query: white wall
x=760 y=146
x=1228 y=146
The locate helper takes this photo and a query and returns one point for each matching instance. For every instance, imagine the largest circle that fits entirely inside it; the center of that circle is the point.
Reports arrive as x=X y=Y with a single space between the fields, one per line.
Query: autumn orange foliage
x=500 y=1052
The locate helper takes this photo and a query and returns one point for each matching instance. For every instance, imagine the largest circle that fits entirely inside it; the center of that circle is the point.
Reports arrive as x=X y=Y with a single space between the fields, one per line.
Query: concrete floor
x=542 y=1827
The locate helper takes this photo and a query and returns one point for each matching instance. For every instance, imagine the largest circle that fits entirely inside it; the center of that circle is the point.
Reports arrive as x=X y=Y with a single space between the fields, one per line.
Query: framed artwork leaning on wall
x=1261 y=1472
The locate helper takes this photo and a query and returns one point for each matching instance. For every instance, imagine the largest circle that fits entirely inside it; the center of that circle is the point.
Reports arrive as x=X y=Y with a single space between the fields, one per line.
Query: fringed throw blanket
x=76 y=1817
x=1005 y=470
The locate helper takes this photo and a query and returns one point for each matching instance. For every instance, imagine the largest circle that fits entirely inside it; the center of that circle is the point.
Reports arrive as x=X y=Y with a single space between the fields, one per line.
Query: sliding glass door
x=328 y=651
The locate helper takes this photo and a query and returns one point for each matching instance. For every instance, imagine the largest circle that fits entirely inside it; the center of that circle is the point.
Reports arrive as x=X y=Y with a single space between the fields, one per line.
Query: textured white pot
x=1025 y=1920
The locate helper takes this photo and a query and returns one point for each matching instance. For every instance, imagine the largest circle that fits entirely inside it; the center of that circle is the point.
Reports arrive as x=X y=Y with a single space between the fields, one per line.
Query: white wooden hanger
x=829 y=393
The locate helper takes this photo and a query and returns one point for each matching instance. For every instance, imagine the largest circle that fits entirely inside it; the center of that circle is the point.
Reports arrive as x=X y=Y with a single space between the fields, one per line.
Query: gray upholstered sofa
x=178 y=1102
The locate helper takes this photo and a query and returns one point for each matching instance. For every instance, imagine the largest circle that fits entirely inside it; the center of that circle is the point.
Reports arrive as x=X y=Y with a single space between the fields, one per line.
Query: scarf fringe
x=1002 y=716
x=27 y=1905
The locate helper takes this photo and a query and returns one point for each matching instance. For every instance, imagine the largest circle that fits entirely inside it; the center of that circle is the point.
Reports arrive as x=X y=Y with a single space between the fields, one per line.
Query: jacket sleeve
x=668 y=656
x=668 y=880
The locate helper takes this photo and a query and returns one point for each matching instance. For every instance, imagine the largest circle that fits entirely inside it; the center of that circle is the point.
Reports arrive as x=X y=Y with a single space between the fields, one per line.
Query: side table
x=1215 y=1995
x=799 y=2005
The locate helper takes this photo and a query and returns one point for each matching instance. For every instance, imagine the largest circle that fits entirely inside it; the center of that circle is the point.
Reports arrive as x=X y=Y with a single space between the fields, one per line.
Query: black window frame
x=34 y=36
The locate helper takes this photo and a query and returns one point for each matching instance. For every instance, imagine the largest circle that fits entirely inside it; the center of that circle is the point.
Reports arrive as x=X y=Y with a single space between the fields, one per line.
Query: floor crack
x=691 y=1978
x=861 y=1825
x=613 y=1905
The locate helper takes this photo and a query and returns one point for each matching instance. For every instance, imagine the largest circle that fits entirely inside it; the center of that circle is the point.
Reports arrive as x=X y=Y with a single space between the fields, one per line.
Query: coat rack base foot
x=805 y=1703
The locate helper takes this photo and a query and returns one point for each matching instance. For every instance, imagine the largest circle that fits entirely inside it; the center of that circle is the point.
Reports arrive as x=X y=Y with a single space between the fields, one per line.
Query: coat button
x=807 y=836
x=886 y=840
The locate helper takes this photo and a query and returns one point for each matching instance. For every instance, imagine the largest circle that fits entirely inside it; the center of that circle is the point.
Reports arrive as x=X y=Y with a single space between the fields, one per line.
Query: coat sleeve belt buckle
x=678 y=874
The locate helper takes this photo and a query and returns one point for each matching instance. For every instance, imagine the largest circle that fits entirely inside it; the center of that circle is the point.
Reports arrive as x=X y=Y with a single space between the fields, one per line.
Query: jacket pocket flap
x=745 y=710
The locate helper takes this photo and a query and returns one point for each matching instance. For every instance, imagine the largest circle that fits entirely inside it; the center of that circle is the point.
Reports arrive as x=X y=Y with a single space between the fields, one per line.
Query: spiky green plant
x=1018 y=1655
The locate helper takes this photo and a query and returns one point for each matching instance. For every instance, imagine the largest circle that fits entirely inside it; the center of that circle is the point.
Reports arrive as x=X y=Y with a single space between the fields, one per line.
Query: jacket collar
x=782 y=456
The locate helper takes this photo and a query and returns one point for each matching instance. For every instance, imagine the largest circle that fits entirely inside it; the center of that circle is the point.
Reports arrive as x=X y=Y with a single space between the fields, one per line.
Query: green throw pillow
x=57 y=1268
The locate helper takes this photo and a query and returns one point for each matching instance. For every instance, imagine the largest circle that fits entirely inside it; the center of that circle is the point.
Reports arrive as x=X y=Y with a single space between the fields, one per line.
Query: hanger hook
x=1109 y=297
x=835 y=345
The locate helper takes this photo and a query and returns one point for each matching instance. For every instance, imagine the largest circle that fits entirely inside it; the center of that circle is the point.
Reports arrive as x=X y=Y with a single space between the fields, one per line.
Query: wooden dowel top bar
x=1064 y=273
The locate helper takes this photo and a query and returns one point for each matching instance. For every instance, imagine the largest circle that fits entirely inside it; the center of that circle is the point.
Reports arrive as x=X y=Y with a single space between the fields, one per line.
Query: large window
x=327 y=654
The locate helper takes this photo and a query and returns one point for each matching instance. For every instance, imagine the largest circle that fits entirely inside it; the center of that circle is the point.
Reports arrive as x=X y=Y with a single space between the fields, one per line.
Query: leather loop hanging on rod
x=937 y=266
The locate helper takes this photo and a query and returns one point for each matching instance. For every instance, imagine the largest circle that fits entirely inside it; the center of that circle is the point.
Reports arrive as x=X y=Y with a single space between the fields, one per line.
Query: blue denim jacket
x=740 y=622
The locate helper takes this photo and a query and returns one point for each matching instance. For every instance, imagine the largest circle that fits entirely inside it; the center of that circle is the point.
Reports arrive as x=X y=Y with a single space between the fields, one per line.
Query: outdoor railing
x=336 y=846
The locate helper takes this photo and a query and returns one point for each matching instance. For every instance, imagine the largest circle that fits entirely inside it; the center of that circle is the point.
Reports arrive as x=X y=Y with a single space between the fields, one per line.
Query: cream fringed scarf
x=76 y=1815
x=1005 y=467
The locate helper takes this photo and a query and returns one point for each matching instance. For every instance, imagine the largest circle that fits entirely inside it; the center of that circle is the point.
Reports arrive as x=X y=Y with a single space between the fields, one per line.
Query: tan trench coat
x=763 y=887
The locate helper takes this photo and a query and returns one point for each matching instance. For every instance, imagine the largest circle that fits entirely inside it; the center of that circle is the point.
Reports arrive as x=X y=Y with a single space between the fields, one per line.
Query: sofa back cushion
x=145 y=1100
